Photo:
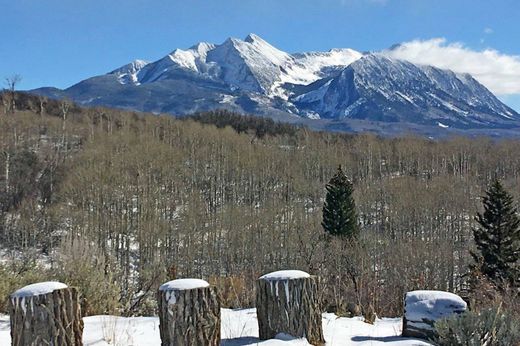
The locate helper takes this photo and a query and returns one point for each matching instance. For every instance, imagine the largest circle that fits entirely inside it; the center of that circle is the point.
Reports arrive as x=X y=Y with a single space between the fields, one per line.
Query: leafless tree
x=65 y=106
x=10 y=91
x=42 y=102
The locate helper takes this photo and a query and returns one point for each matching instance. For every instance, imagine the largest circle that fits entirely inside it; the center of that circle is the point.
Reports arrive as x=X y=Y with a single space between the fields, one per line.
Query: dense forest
x=117 y=202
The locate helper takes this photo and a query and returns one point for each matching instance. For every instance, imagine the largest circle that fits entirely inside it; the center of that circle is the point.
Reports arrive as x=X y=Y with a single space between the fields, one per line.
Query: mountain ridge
x=340 y=85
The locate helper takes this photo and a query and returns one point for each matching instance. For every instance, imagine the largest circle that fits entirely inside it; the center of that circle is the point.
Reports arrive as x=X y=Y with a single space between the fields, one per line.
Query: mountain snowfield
x=239 y=327
x=338 y=89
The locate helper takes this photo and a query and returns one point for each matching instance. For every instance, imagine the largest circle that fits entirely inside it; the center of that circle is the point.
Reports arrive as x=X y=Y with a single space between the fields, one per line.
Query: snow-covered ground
x=239 y=327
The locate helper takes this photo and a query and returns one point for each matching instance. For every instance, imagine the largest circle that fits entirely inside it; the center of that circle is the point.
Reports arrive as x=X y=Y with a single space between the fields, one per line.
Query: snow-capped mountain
x=382 y=89
x=341 y=85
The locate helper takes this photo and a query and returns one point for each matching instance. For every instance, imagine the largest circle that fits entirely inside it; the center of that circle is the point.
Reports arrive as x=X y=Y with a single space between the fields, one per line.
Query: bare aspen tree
x=65 y=106
x=11 y=82
x=7 y=157
x=42 y=102
x=5 y=102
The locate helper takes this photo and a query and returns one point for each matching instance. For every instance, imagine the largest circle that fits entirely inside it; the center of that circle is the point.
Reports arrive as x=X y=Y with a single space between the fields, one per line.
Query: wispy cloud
x=497 y=71
x=487 y=31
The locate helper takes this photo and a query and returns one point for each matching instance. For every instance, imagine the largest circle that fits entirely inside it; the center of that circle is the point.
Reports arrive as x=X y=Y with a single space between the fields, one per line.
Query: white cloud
x=488 y=31
x=499 y=72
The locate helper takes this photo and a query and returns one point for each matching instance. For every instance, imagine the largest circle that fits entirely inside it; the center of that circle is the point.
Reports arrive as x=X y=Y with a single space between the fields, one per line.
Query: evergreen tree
x=339 y=210
x=498 y=236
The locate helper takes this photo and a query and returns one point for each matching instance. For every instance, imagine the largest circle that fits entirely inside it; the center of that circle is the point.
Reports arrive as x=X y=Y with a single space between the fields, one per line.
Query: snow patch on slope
x=127 y=74
x=318 y=62
x=193 y=58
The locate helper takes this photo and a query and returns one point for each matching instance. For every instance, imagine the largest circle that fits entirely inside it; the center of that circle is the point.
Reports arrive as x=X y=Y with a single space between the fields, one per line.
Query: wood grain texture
x=189 y=317
x=52 y=319
x=291 y=307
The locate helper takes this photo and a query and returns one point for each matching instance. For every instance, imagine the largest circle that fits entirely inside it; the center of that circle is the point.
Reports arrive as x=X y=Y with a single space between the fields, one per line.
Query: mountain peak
x=233 y=41
x=254 y=38
x=202 y=47
x=130 y=68
x=252 y=64
x=138 y=63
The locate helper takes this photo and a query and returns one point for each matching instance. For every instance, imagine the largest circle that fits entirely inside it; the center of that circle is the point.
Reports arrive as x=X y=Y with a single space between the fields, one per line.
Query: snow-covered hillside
x=239 y=327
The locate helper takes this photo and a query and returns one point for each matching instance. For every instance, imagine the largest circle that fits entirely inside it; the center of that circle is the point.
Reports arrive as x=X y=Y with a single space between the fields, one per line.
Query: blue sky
x=60 y=42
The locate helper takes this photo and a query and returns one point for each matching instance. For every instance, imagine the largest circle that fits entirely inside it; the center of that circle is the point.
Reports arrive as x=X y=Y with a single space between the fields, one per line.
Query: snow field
x=239 y=327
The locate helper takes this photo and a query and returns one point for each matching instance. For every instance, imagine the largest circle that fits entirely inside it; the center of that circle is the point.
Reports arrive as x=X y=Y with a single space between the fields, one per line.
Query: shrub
x=491 y=327
x=17 y=274
x=82 y=264
x=235 y=291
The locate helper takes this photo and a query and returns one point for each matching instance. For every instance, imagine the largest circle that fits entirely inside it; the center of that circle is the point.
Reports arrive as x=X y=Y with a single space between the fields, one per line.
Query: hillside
x=116 y=203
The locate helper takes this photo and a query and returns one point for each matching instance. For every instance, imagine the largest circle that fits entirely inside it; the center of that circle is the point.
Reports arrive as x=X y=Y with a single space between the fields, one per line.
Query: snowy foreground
x=239 y=327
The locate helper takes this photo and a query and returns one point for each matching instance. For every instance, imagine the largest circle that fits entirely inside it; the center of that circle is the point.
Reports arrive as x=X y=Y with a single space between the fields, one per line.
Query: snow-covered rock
x=423 y=308
x=38 y=289
x=183 y=284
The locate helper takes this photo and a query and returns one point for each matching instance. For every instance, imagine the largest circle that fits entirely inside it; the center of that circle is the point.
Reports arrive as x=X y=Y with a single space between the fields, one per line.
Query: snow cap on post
x=38 y=289
x=285 y=275
x=183 y=284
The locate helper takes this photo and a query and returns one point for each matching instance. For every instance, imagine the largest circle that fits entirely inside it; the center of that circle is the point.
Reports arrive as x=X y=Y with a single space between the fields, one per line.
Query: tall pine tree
x=339 y=210
x=498 y=236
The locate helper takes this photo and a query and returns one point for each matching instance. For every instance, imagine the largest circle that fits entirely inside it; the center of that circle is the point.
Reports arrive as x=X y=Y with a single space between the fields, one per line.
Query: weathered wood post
x=46 y=313
x=287 y=302
x=423 y=308
x=189 y=313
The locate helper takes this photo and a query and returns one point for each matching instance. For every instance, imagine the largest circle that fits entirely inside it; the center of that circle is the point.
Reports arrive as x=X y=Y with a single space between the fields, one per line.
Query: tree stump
x=46 y=313
x=287 y=302
x=189 y=313
x=423 y=308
